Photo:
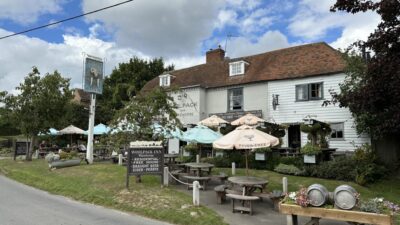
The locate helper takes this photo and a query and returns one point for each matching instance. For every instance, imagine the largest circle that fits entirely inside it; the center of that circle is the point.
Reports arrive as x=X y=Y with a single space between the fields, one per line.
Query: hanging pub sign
x=93 y=75
x=145 y=158
x=21 y=147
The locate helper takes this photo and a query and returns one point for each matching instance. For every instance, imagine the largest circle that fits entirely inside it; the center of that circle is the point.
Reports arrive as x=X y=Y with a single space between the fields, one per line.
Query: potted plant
x=310 y=153
x=261 y=153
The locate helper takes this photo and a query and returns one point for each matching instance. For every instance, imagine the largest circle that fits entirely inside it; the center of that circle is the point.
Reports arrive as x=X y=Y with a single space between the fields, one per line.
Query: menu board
x=21 y=148
x=145 y=161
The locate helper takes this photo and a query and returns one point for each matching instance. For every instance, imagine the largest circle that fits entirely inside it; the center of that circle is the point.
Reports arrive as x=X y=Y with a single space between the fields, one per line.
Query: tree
x=39 y=105
x=137 y=117
x=125 y=82
x=372 y=90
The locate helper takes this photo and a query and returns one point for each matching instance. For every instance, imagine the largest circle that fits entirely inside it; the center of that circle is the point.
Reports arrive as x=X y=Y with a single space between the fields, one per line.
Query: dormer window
x=237 y=68
x=165 y=80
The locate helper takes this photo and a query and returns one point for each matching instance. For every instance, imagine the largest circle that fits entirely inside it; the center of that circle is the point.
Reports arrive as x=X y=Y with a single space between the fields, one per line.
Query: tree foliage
x=125 y=82
x=137 y=117
x=39 y=104
x=372 y=91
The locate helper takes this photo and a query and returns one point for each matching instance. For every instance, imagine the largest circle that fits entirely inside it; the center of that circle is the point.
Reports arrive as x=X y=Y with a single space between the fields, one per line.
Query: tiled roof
x=294 y=62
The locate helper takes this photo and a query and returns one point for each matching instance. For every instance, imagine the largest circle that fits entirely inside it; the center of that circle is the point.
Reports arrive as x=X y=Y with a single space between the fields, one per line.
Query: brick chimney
x=215 y=55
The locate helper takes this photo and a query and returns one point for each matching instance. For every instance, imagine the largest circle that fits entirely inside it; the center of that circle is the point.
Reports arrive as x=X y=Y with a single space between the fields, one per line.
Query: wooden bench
x=247 y=200
x=220 y=191
x=203 y=181
x=275 y=196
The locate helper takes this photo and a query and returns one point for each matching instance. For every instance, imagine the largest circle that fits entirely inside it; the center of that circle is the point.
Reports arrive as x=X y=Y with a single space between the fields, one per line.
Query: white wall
x=289 y=111
x=200 y=102
x=189 y=105
x=254 y=98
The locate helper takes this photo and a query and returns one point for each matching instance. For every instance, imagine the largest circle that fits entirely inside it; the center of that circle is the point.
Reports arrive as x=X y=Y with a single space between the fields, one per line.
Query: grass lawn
x=104 y=184
x=388 y=188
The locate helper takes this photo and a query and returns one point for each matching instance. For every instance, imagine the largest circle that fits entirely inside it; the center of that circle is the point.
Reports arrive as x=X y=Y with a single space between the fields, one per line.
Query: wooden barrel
x=345 y=197
x=317 y=195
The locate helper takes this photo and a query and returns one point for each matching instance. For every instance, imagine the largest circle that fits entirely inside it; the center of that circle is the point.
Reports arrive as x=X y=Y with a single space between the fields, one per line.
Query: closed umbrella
x=248 y=119
x=212 y=121
x=246 y=137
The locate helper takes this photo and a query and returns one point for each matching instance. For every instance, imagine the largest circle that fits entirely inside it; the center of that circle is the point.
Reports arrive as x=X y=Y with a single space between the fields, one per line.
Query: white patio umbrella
x=71 y=129
x=246 y=137
x=212 y=121
x=248 y=119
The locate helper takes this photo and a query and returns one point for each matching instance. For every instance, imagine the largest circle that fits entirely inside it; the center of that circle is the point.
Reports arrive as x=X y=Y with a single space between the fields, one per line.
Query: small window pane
x=235 y=99
x=316 y=91
x=236 y=68
x=337 y=130
x=301 y=92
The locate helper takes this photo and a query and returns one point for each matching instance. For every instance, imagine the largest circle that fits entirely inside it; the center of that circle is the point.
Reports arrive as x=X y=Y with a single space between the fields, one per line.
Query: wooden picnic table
x=198 y=166
x=249 y=184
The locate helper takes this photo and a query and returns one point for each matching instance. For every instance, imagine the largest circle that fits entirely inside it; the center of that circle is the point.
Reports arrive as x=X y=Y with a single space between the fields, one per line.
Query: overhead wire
x=64 y=20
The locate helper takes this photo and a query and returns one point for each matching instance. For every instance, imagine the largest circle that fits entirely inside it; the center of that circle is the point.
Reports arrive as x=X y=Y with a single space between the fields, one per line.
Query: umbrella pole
x=247 y=164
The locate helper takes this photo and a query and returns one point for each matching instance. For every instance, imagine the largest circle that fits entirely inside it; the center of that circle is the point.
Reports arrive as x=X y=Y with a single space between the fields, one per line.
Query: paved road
x=24 y=205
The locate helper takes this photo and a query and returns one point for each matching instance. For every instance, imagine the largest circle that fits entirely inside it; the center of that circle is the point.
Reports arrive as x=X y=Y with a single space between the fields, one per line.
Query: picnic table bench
x=247 y=202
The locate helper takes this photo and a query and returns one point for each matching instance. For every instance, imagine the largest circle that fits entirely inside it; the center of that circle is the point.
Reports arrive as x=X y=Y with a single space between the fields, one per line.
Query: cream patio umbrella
x=246 y=137
x=212 y=121
x=71 y=129
x=248 y=119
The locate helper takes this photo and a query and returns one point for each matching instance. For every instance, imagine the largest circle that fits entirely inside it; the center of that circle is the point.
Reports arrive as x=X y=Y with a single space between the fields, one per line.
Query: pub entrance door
x=294 y=137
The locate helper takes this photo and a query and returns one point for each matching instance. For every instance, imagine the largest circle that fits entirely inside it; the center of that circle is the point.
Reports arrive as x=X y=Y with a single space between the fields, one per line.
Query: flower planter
x=64 y=163
x=334 y=214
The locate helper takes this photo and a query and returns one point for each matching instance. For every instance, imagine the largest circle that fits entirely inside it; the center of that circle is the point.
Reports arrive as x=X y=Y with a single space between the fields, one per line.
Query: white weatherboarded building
x=285 y=86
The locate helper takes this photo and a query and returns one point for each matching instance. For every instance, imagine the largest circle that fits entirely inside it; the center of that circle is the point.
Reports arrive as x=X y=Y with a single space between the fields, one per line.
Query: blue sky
x=180 y=31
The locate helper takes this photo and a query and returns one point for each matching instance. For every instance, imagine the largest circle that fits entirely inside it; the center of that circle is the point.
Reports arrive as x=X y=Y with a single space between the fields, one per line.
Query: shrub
x=292 y=160
x=309 y=149
x=193 y=149
x=341 y=168
x=288 y=169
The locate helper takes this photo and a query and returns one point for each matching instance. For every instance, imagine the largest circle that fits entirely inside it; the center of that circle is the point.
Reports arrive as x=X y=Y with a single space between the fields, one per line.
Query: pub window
x=312 y=91
x=315 y=91
x=236 y=68
x=165 y=80
x=337 y=130
x=235 y=99
x=302 y=92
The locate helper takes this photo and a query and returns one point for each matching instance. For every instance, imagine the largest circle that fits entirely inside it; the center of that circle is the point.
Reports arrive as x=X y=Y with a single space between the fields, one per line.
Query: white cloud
x=313 y=21
x=270 y=40
x=27 y=12
x=226 y=18
x=159 y=27
x=20 y=53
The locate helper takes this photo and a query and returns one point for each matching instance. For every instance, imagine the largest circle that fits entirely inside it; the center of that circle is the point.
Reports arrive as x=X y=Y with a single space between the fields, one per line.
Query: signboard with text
x=145 y=160
x=21 y=148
